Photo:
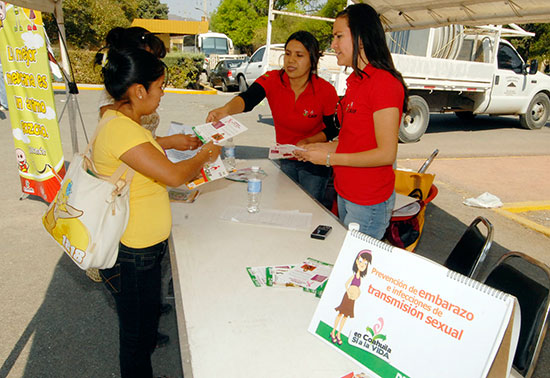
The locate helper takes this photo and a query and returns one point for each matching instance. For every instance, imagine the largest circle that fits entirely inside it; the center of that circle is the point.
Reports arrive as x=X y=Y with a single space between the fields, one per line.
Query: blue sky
x=186 y=8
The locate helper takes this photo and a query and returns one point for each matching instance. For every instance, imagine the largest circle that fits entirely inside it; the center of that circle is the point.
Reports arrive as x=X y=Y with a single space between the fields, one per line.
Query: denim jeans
x=313 y=178
x=135 y=283
x=373 y=220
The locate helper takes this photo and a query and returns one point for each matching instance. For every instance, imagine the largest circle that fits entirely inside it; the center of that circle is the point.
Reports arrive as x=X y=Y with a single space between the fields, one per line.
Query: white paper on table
x=283 y=151
x=176 y=155
x=292 y=219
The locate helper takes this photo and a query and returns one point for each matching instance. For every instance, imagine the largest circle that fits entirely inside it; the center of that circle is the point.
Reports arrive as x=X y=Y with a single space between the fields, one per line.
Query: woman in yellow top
x=135 y=79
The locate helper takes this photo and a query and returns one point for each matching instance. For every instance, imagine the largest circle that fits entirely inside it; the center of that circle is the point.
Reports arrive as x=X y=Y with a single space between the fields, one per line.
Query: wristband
x=328 y=159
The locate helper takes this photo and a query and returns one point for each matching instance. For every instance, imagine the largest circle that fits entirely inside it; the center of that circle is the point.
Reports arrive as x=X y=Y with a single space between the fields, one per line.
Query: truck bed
x=444 y=74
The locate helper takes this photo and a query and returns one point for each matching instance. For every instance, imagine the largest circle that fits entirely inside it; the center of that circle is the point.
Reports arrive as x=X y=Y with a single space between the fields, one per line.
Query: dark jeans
x=135 y=282
x=313 y=178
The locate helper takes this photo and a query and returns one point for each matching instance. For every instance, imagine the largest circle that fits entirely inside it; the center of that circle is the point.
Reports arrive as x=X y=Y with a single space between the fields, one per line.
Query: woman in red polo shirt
x=370 y=115
x=302 y=105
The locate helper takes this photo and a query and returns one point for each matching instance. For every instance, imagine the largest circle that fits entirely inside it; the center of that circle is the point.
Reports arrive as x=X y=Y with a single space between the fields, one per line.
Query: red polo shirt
x=376 y=90
x=297 y=119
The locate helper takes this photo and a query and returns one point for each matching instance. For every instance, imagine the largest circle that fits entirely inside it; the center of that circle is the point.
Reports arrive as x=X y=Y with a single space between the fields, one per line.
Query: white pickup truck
x=257 y=65
x=468 y=71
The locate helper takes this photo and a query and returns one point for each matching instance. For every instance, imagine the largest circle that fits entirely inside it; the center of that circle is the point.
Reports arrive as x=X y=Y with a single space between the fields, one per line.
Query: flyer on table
x=399 y=314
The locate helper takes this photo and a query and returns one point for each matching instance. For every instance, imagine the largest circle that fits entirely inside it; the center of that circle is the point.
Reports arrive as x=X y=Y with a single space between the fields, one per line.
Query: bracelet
x=328 y=159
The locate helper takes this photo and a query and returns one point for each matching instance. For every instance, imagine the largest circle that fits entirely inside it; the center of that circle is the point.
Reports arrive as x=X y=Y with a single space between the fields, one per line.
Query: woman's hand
x=217 y=114
x=184 y=142
x=213 y=151
x=316 y=152
x=316 y=156
x=180 y=142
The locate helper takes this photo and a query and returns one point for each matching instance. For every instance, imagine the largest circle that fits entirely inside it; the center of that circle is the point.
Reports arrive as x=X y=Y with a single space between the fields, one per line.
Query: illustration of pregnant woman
x=345 y=309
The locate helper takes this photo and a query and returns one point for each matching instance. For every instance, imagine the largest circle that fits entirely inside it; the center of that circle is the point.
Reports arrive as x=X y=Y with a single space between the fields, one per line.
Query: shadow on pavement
x=74 y=333
x=441 y=232
x=441 y=123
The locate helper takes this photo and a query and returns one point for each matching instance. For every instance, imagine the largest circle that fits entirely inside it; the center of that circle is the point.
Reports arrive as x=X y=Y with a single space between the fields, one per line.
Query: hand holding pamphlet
x=220 y=131
x=283 y=151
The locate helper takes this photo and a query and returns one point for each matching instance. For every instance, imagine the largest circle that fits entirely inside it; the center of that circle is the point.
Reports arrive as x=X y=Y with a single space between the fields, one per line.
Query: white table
x=227 y=326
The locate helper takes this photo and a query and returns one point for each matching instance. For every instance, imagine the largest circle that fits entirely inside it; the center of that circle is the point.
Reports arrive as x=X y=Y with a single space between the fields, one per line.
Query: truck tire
x=415 y=121
x=537 y=113
x=465 y=116
x=242 y=84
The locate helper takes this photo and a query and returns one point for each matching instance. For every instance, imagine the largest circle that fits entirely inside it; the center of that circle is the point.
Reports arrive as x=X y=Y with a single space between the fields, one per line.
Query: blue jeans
x=313 y=178
x=135 y=283
x=373 y=220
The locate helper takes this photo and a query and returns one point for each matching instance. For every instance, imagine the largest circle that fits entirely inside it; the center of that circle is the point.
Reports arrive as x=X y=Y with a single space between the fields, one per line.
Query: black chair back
x=471 y=249
x=534 y=303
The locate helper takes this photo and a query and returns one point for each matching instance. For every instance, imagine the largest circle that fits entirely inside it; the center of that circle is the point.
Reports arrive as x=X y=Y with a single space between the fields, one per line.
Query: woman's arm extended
x=149 y=161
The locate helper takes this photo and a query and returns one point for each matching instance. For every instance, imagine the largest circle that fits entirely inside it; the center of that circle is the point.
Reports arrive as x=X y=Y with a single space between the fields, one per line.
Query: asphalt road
x=57 y=323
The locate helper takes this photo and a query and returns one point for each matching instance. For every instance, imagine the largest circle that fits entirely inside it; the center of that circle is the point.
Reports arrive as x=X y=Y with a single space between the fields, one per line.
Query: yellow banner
x=31 y=101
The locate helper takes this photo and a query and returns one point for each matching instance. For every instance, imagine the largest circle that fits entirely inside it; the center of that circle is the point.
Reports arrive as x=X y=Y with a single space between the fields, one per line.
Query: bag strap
x=123 y=167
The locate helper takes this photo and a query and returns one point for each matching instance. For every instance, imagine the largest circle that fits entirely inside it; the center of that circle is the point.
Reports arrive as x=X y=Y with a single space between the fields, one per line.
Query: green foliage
x=152 y=9
x=87 y=22
x=238 y=19
x=183 y=69
x=537 y=47
x=245 y=21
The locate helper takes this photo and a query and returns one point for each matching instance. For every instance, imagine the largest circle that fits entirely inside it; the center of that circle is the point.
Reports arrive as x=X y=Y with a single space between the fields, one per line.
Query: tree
x=245 y=21
x=87 y=22
x=537 y=47
x=152 y=9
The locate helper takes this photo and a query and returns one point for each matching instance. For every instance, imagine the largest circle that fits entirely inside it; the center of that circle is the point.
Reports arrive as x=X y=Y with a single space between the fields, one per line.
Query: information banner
x=31 y=101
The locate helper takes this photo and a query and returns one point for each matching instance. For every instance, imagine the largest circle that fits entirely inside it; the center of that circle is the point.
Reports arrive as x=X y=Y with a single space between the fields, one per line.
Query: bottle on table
x=254 y=188
x=229 y=155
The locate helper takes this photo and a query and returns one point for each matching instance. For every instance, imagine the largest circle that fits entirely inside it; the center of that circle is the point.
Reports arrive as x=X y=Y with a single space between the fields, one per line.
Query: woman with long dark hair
x=370 y=115
x=302 y=105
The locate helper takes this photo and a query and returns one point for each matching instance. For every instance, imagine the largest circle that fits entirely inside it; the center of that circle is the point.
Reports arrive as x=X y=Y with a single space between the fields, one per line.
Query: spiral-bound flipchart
x=398 y=314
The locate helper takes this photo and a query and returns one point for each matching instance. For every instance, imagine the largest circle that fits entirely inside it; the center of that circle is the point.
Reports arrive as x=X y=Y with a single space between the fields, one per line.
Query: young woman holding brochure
x=135 y=80
x=370 y=115
x=302 y=105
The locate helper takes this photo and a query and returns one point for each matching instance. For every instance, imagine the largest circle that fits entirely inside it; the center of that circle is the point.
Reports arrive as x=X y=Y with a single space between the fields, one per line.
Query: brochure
x=283 y=151
x=220 y=131
x=176 y=155
x=310 y=275
x=210 y=172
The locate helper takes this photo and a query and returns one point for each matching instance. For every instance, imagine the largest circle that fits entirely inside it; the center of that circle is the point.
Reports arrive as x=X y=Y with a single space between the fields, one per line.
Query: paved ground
x=57 y=323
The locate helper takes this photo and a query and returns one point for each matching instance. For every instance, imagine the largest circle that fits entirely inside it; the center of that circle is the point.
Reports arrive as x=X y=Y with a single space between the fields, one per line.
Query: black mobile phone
x=321 y=232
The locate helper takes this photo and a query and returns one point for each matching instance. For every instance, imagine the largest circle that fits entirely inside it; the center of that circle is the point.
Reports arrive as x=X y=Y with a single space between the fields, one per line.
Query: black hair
x=312 y=46
x=365 y=256
x=126 y=67
x=366 y=30
x=134 y=37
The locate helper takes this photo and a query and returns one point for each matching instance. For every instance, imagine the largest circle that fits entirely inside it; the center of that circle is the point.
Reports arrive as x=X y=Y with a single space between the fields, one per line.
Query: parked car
x=223 y=75
x=248 y=72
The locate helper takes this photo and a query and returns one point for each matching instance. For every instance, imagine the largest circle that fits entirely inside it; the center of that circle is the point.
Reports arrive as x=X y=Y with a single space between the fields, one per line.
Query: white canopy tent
x=421 y=14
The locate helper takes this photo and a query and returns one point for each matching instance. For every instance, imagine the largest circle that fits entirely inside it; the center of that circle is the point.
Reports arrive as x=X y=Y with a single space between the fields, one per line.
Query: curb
x=512 y=210
x=98 y=87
